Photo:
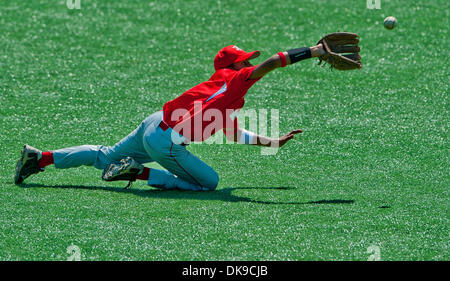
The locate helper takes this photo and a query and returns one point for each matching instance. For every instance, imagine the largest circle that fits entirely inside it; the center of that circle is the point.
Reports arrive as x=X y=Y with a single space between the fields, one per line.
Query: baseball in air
x=390 y=22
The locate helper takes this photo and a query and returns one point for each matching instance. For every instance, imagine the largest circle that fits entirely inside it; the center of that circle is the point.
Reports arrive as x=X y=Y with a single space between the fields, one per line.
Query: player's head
x=241 y=64
x=234 y=57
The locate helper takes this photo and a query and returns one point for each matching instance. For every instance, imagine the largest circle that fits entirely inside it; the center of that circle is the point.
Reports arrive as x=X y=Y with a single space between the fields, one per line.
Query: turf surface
x=371 y=168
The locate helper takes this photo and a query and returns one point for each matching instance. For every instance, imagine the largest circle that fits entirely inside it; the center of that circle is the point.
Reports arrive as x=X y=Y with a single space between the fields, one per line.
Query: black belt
x=163 y=125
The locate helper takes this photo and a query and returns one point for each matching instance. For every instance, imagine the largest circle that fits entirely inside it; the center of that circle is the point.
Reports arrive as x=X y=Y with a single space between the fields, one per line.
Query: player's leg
x=187 y=168
x=185 y=171
x=33 y=160
x=132 y=145
x=188 y=173
x=98 y=156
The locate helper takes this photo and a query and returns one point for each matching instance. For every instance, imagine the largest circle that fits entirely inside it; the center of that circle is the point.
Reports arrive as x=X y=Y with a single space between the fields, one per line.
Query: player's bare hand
x=284 y=139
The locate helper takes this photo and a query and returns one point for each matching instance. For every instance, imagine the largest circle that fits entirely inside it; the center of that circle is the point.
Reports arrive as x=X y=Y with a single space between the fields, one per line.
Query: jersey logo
x=220 y=91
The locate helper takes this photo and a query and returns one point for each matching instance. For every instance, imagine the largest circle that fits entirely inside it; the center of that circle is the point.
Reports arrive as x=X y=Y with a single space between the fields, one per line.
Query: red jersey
x=210 y=106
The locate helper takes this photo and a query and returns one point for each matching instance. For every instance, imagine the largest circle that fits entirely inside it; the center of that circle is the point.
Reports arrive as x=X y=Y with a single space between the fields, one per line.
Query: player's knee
x=104 y=157
x=213 y=181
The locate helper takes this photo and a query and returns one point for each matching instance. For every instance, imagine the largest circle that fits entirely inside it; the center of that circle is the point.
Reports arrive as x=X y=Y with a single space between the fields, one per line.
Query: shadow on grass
x=224 y=194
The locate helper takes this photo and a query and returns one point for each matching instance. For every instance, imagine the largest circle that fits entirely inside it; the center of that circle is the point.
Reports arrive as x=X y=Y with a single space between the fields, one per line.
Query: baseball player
x=164 y=136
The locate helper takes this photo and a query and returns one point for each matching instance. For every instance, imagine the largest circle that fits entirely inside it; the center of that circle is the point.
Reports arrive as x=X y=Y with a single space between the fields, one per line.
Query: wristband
x=246 y=137
x=283 y=59
x=299 y=54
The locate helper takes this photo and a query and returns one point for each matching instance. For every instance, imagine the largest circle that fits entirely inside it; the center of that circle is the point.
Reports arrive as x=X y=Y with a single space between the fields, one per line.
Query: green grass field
x=370 y=169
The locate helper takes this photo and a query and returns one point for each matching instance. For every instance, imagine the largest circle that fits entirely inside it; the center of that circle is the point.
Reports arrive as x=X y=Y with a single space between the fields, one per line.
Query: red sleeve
x=244 y=74
x=239 y=84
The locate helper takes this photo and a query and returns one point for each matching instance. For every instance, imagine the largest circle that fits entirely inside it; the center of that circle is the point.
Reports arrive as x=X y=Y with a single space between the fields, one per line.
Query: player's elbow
x=267 y=66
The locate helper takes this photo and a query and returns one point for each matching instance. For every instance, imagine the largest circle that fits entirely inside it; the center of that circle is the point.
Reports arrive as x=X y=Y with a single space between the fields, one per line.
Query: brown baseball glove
x=342 y=50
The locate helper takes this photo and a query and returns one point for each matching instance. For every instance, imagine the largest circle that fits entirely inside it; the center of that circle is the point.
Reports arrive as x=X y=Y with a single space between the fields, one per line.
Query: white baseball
x=390 y=22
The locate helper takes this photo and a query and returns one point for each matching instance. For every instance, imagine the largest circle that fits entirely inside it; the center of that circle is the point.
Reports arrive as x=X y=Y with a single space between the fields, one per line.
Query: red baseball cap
x=231 y=54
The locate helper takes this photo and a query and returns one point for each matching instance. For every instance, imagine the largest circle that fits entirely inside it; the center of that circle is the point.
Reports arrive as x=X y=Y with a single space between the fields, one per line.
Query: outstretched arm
x=245 y=137
x=277 y=60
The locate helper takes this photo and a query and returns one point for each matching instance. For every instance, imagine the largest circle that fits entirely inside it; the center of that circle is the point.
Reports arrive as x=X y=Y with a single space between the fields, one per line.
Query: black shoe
x=27 y=164
x=127 y=169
